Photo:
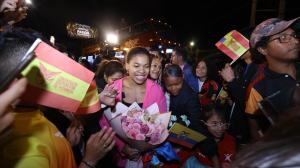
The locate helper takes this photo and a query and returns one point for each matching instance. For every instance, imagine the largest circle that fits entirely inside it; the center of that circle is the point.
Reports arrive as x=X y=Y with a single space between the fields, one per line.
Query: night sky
x=205 y=22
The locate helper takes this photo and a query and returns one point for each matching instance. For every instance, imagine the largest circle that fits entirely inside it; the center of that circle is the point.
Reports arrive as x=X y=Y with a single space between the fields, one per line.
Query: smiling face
x=201 y=70
x=155 y=69
x=138 y=68
x=280 y=49
x=216 y=126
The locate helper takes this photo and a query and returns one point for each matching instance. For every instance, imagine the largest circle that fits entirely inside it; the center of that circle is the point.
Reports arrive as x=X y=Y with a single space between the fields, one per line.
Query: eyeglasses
x=217 y=124
x=285 y=38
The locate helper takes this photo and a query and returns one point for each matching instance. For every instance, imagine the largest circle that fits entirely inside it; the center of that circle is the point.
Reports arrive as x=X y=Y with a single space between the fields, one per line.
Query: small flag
x=56 y=80
x=184 y=136
x=233 y=45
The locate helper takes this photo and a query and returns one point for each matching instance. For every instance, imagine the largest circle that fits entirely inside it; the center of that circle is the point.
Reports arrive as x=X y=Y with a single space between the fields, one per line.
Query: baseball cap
x=271 y=27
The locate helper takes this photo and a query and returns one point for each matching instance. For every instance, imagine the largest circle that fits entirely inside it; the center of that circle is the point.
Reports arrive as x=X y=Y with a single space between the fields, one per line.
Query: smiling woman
x=136 y=87
x=137 y=66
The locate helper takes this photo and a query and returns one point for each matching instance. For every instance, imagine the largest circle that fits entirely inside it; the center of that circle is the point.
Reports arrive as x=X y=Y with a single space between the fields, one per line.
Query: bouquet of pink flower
x=142 y=128
x=138 y=124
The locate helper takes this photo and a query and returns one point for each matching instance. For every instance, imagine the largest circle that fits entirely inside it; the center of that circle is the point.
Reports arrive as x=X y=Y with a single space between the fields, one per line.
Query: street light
x=112 y=38
x=28 y=2
x=192 y=43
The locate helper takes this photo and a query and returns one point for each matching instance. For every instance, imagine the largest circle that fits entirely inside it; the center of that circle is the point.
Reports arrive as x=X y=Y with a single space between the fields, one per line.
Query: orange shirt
x=35 y=143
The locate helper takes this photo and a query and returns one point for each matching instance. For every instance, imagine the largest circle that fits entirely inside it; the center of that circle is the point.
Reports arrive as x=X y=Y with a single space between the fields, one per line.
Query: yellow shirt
x=35 y=143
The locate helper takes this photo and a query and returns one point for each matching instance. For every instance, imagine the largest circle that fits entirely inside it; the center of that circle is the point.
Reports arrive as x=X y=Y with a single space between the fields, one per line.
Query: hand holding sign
x=57 y=81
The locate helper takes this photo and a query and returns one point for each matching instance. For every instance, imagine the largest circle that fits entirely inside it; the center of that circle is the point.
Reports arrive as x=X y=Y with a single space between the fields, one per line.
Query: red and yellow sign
x=56 y=80
x=233 y=44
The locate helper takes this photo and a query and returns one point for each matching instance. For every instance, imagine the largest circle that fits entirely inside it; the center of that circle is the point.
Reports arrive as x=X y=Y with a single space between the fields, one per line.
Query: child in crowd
x=214 y=120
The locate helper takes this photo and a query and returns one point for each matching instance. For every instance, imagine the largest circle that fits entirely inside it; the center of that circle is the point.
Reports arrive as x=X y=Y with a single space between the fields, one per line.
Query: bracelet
x=87 y=164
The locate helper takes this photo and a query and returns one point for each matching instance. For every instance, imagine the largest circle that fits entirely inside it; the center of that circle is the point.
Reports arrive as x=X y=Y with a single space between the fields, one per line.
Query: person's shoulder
x=297 y=65
x=213 y=83
x=229 y=137
x=259 y=85
x=151 y=82
x=118 y=82
x=259 y=80
x=228 y=142
x=153 y=85
x=187 y=90
x=187 y=67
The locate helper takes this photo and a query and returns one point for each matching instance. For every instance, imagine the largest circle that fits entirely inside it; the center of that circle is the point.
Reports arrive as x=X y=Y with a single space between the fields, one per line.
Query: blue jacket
x=190 y=78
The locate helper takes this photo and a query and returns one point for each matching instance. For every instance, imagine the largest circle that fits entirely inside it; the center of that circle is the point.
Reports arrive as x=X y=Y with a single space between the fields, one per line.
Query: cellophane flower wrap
x=139 y=127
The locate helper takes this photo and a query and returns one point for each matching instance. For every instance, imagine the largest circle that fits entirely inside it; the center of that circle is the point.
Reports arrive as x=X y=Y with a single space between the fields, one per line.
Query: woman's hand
x=108 y=96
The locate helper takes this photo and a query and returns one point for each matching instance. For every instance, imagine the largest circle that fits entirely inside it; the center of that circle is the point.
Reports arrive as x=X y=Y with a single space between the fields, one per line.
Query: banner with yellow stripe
x=56 y=80
x=233 y=44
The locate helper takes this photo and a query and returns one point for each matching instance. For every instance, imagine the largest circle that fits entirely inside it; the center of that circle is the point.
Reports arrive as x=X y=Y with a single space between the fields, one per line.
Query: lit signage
x=76 y=30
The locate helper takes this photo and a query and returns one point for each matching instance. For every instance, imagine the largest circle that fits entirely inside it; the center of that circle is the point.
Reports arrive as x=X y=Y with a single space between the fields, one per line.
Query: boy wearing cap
x=276 y=41
x=237 y=85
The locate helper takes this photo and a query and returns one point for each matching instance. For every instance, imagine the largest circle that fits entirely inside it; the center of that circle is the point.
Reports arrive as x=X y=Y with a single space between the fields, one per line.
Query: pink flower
x=124 y=127
x=136 y=126
x=140 y=137
x=144 y=129
x=132 y=133
x=136 y=120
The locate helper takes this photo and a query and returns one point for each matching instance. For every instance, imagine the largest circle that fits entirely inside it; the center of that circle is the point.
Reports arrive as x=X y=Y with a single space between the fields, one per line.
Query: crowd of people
x=255 y=125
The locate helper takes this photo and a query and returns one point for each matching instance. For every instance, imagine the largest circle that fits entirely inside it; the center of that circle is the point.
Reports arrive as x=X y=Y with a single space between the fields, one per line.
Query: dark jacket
x=237 y=89
x=239 y=86
x=187 y=103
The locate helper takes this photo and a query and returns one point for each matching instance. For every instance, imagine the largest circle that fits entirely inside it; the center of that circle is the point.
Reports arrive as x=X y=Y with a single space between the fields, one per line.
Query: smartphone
x=15 y=55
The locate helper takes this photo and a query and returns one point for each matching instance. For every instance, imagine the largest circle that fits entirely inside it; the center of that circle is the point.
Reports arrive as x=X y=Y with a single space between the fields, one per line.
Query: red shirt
x=226 y=150
x=208 y=92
